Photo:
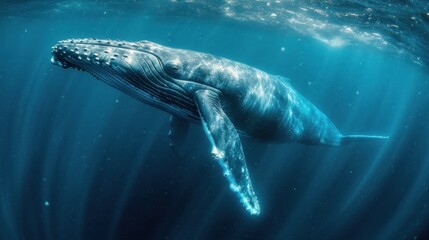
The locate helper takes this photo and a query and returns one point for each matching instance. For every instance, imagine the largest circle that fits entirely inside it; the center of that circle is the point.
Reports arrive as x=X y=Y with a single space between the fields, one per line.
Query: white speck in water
x=309 y=83
x=273 y=15
x=25 y=30
x=282 y=49
x=357 y=92
x=117 y=100
x=46 y=203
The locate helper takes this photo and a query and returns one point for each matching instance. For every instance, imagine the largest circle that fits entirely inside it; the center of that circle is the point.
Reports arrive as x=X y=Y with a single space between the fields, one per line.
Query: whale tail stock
x=346 y=139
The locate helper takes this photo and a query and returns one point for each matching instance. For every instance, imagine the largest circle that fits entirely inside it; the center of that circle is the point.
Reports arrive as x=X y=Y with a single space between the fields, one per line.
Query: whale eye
x=172 y=67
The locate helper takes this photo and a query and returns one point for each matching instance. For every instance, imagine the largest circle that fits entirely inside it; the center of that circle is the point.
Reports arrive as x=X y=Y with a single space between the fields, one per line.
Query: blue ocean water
x=80 y=160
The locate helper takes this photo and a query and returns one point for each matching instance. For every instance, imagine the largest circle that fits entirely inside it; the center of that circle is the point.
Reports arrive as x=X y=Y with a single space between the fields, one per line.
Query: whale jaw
x=133 y=68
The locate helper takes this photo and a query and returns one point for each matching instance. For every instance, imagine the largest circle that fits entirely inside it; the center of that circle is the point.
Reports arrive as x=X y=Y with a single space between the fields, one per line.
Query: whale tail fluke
x=346 y=139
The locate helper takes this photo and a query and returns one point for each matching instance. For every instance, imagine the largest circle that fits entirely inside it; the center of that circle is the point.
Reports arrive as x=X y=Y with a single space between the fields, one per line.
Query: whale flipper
x=178 y=135
x=226 y=147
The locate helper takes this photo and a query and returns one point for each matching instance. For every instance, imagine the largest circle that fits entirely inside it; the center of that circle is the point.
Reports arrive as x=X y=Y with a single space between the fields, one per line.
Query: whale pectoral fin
x=226 y=147
x=178 y=135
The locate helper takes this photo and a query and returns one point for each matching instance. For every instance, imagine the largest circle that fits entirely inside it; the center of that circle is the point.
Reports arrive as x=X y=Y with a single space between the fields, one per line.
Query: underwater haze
x=81 y=160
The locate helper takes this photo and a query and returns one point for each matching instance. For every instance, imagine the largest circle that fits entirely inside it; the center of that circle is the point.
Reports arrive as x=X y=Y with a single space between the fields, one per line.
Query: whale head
x=144 y=70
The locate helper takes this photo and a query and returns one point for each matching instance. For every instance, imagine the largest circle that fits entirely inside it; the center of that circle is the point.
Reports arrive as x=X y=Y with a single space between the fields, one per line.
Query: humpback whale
x=229 y=99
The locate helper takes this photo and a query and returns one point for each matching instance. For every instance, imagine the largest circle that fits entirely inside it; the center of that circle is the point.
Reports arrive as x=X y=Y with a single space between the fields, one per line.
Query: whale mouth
x=133 y=68
x=56 y=61
x=59 y=60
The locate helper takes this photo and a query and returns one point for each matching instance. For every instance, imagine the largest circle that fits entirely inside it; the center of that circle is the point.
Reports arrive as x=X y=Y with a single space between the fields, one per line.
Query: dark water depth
x=80 y=160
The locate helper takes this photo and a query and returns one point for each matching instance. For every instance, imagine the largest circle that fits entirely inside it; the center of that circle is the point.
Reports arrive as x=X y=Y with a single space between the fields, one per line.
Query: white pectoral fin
x=178 y=135
x=226 y=147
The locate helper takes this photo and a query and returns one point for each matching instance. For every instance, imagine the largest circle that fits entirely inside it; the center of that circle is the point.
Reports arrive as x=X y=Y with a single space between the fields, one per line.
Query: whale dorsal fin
x=284 y=79
x=226 y=147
